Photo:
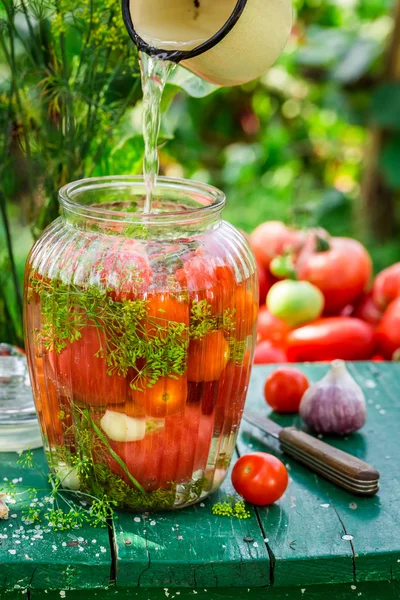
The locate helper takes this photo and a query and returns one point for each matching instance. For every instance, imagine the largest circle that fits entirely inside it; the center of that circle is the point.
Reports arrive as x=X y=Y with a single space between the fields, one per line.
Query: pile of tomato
x=319 y=300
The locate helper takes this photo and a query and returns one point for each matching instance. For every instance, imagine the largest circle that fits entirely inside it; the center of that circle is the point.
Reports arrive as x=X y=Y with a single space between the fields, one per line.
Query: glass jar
x=140 y=331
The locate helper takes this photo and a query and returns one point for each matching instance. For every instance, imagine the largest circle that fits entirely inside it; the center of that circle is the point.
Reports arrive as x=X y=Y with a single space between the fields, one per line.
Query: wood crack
x=113 y=551
x=148 y=565
x=351 y=545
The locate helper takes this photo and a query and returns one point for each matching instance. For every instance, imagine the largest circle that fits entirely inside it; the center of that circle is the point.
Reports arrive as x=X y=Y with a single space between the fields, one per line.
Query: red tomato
x=232 y=391
x=169 y=455
x=79 y=368
x=163 y=309
x=48 y=404
x=206 y=281
x=265 y=281
x=260 y=478
x=124 y=269
x=271 y=239
x=284 y=389
x=271 y=328
x=387 y=335
x=367 y=310
x=208 y=357
x=387 y=286
x=246 y=308
x=166 y=397
x=341 y=273
x=267 y=353
x=330 y=338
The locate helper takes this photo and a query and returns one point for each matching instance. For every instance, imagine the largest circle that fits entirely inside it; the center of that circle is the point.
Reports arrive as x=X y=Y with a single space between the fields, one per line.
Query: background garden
x=315 y=141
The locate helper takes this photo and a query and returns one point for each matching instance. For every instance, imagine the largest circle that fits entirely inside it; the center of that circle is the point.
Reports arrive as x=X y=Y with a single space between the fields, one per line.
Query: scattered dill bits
x=236 y=509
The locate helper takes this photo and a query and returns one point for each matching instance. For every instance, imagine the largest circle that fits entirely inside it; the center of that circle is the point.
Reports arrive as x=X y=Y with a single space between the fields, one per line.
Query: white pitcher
x=227 y=42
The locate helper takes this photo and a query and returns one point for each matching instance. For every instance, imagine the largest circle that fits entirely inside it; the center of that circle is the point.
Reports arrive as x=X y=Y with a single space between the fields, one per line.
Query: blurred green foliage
x=290 y=146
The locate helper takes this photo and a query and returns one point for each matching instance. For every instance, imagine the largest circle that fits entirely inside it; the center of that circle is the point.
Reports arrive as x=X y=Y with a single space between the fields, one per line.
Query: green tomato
x=295 y=302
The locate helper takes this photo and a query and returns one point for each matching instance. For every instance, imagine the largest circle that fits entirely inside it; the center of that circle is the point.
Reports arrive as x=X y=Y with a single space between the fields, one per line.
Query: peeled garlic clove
x=121 y=428
x=68 y=476
x=336 y=404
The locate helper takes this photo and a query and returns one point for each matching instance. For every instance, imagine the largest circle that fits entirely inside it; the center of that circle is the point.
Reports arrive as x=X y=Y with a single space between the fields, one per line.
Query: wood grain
x=191 y=547
x=44 y=563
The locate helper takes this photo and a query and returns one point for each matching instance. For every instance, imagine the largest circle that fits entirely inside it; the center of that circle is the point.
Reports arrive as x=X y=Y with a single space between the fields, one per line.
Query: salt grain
x=54 y=548
x=382 y=411
x=353 y=505
x=202 y=504
x=152 y=523
x=324 y=505
x=255 y=545
x=64 y=544
x=353 y=587
x=62 y=594
x=266 y=540
x=102 y=549
x=137 y=519
x=12 y=551
x=94 y=541
x=370 y=384
x=347 y=537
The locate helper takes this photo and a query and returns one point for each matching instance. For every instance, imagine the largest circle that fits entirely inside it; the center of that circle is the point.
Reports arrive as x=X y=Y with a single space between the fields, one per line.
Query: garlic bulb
x=336 y=404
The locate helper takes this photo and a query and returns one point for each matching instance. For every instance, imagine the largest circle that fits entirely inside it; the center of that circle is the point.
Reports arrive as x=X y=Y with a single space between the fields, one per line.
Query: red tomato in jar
x=85 y=373
x=48 y=404
x=331 y=338
x=163 y=309
x=169 y=455
x=206 y=281
x=208 y=357
x=367 y=310
x=284 y=389
x=260 y=478
x=387 y=335
x=271 y=239
x=271 y=328
x=124 y=270
x=166 y=397
x=246 y=307
x=267 y=353
x=387 y=286
x=232 y=391
x=341 y=272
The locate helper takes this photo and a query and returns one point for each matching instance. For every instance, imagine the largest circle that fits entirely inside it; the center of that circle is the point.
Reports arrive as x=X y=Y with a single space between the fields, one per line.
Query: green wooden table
x=317 y=540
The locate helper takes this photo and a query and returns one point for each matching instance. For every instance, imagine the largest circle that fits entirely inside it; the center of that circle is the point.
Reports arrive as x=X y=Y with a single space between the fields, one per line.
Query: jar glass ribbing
x=140 y=333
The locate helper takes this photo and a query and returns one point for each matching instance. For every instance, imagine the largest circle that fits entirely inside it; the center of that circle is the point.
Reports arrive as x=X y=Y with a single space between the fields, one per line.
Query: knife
x=341 y=468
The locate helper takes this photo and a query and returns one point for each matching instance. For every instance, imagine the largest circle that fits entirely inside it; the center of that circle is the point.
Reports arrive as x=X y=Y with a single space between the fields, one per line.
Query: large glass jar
x=140 y=332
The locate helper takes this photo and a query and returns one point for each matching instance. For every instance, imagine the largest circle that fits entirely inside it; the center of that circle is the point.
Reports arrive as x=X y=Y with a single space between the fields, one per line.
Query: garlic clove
x=336 y=404
x=121 y=428
x=3 y=509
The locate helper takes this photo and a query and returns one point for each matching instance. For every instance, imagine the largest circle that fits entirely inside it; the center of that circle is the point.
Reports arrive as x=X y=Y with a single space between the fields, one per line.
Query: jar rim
x=211 y=200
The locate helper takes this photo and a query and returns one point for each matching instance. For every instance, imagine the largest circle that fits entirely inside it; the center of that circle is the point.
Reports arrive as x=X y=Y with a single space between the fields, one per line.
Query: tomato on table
x=330 y=338
x=208 y=357
x=166 y=397
x=284 y=389
x=341 y=270
x=367 y=310
x=260 y=478
x=84 y=372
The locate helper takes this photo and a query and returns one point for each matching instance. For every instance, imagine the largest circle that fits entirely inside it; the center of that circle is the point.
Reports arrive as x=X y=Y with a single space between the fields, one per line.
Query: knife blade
x=339 y=467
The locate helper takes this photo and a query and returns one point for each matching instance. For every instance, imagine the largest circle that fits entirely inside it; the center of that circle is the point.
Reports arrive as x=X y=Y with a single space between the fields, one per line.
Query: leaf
x=357 y=61
x=385 y=105
x=324 y=48
x=192 y=84
x=389 y=162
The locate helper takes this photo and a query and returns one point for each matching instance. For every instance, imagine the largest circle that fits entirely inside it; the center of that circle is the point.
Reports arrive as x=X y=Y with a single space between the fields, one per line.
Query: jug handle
x=180 y=55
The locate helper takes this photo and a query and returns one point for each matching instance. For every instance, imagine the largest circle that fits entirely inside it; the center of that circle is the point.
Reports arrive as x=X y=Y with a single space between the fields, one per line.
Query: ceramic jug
x=226 y=42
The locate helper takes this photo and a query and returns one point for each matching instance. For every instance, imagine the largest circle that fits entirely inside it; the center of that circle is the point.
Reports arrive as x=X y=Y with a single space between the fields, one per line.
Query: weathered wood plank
x=365 y=591
x=36 y=556
x=315 y=514
x=191 y=547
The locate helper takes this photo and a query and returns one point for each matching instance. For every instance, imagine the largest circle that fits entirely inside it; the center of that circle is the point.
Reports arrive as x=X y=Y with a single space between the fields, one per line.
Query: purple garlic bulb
x=336 y=404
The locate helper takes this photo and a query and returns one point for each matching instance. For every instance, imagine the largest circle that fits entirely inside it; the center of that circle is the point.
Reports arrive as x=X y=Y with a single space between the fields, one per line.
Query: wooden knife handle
x=341 y=468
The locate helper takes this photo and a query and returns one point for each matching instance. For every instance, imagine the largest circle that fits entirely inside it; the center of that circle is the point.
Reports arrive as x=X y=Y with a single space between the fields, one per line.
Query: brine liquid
x=155 y=73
